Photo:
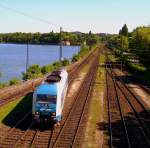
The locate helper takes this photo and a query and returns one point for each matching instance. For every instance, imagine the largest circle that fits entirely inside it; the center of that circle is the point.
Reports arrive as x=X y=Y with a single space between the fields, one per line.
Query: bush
x=84 y=50
x=34 y=71
x=47 y=69
x=1 y=74
x=14 y=81
x=2 y=85
x=57 y=64
x=136 y=68
x=65 y=62
x=75 y=58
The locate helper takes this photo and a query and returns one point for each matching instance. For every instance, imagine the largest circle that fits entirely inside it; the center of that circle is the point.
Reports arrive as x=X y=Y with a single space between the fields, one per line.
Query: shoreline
x=43 y=44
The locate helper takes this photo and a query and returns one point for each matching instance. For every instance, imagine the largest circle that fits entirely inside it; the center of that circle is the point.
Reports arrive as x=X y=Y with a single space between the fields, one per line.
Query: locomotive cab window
x=46 y=98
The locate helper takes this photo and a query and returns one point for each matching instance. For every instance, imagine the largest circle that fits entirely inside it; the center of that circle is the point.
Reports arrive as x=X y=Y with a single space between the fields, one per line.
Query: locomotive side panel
x=62 y=86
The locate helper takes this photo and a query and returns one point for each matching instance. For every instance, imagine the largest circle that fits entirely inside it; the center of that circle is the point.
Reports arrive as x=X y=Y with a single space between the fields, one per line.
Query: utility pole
x=90 y=36
x=27 y=56
x=0 y=76
x=60 y=48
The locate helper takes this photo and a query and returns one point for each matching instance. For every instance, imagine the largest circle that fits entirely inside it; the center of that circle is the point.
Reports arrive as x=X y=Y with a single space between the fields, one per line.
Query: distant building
x=84 y=43
x=66 y=43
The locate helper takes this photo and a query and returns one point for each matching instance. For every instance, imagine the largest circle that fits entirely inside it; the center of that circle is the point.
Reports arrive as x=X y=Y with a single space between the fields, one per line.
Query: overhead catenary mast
x=60 y=44
x=27 y=56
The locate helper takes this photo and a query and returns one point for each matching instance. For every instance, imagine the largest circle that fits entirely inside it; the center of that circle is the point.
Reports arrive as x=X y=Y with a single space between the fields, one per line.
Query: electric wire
x=33 y=17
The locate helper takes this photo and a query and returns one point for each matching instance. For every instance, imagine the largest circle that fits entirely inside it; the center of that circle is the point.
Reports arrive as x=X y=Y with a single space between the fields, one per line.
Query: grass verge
x=15 y=110
x=6 y=109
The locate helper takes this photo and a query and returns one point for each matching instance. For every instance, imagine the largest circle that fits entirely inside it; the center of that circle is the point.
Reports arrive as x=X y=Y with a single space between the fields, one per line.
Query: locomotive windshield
x=46 y=98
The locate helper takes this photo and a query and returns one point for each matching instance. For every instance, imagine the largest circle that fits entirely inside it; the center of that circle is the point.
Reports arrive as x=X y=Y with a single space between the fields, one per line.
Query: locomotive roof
x=54 y=76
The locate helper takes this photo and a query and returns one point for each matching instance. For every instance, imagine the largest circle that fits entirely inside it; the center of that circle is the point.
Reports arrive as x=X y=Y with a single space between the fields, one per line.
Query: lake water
x=13 y=57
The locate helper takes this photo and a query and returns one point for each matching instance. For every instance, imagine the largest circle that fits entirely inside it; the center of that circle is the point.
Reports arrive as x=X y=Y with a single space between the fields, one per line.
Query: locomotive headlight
x=53 y=114
x=36 y=113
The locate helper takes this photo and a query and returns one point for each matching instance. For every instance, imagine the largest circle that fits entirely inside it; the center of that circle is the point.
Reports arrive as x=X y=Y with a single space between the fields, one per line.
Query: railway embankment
x=77 y=75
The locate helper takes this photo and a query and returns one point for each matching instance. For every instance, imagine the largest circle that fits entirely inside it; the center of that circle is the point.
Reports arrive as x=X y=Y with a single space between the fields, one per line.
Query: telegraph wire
x=33 y=17
x=37 y=19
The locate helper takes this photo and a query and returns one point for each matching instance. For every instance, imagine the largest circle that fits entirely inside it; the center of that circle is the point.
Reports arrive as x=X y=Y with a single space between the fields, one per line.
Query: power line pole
x=27 y=56
x=90 y=36
x=60 y=48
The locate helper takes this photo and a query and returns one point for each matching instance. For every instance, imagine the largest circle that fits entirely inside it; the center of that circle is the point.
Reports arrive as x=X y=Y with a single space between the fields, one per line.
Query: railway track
x=15 y=96
x=135 y=116
x=50 y=138
x=133 y=78
x=143 y=87
x=114 y=115
x=139 y=109
x=12 y=135
x=31 y=136
x=11 y=95
x=70 y=132
x=72 y=73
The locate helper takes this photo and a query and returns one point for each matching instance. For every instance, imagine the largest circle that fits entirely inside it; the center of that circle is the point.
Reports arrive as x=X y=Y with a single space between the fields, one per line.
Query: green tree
x=47 y=69
x=92 y=39
x=45 y=38
x=1 y=39
x=75 y=58
x=142 y=40
x=57 y=64
x=124 y=43
x=65 y=62
x=124 y=30
x=1 y=76
x=14 y=81
x=34 y=71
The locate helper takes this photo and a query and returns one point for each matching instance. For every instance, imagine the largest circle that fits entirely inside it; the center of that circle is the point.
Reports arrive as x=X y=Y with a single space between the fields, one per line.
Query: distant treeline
x=137 y=42
x=76 y=38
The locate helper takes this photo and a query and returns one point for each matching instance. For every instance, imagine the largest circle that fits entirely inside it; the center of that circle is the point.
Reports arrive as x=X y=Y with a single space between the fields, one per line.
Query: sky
x=99 y=16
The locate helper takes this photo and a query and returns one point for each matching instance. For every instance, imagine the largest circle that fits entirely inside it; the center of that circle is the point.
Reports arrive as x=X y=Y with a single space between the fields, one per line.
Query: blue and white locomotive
x=48 y=98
